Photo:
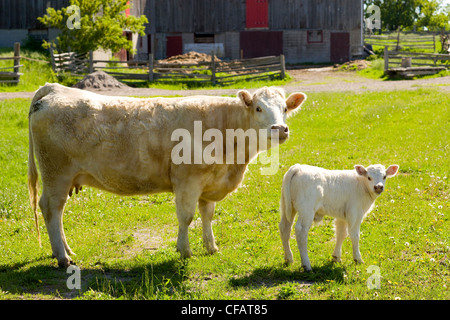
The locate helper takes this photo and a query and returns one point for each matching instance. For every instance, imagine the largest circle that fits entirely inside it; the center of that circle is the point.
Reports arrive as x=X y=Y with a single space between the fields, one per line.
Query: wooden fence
x=397 y=41
x=214 y=71
x=14 y=75
x=407 y=63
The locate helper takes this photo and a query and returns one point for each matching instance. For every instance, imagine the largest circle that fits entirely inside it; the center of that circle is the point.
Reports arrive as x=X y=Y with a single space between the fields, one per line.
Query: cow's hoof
x=186 y=254
x=65 y=262
x=213 y=249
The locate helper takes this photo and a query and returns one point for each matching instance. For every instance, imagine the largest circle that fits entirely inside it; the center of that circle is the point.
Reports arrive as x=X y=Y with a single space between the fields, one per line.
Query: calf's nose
x=283 y=130
x=378 y=188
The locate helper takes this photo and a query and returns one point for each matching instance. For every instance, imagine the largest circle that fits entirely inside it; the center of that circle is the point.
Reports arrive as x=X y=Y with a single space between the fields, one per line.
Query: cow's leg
x=52 y=206
x=186 y=198
x=341 y=233
x=206 y=209
x=304 y=222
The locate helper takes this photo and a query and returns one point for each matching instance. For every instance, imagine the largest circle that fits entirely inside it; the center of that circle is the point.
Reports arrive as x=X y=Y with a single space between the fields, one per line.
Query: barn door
x=257 y=14
x=174 y=46
x=340 y=47
x=261 y=43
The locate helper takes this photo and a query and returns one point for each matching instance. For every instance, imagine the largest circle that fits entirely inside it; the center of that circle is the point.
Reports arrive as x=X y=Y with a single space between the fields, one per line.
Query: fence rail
x=407 y=63
x=12 y=76
x=424 y=41
x=214 y=71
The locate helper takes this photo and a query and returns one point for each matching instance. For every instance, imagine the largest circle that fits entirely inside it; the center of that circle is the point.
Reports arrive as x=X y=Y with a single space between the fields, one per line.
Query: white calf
x=347 y=195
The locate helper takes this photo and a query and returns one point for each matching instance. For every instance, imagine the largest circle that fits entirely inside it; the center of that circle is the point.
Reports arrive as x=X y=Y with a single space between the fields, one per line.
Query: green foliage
x=100 y=26
x=404 y=14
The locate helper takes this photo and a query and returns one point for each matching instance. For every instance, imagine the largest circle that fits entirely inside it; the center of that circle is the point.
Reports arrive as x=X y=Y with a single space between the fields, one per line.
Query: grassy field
x=126 y=245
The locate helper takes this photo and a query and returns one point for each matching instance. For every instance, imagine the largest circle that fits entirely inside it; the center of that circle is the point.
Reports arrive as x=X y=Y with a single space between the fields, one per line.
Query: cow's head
x=269 y=109
x=375 y=176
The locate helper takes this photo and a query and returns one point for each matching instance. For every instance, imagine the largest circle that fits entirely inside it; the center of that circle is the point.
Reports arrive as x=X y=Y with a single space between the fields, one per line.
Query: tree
x=432 y=15
x=93 y=24
x=396 y=13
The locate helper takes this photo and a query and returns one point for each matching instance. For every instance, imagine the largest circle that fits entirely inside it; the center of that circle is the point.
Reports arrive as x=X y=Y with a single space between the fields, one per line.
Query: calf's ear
x=245 y=97
x=392 y=170
x=360 y=170
x=295 y=100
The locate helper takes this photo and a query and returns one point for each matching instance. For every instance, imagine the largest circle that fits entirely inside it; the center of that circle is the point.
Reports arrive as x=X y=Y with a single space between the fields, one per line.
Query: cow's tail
x=286 y=201
x=33 y=183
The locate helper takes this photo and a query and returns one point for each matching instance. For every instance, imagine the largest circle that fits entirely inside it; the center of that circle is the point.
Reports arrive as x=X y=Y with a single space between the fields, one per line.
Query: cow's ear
x=295 y=100
x=392 y=170
x=245 y=97
x=360 y=170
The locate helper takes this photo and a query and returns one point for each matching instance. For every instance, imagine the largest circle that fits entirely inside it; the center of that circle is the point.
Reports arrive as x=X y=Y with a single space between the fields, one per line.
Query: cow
x=125 y=146
x=313 y=192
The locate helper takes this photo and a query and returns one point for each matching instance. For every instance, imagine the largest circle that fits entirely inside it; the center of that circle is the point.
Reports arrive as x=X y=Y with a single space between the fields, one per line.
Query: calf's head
x=375 y=176
x=269 y=109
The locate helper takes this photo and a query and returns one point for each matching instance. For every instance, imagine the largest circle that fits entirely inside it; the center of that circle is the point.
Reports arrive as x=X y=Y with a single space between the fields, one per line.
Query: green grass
x=126 y=245
x=35 y=73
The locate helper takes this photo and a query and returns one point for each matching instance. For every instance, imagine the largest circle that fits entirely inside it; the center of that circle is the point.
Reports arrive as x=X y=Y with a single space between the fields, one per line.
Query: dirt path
x=305 y=80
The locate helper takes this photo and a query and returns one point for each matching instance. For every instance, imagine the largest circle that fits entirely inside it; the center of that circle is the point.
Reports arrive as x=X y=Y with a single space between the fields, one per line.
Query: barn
x=303 y=30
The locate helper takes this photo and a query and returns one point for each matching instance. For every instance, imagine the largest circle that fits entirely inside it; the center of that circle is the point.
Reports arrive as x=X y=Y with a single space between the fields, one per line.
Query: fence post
x=213 y=69
x=52 y=58
x=150 y=67
x=91 y=61
x=386 y=58
x=17 y=59
x=283 y=66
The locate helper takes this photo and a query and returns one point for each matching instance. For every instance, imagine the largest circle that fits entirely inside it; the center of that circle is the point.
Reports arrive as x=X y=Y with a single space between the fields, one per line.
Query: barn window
x=315 y=36
x=204 y=38
x=257 y=14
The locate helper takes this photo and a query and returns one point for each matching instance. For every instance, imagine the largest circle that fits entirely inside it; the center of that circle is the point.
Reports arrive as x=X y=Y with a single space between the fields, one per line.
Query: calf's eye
x=285 y=110
x=258 y=109
x=384 y=178
x=370 y=179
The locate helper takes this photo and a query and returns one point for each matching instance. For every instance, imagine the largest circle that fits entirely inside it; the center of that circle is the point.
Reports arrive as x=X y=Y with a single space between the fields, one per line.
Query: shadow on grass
x=46 y=281
x=274 y=275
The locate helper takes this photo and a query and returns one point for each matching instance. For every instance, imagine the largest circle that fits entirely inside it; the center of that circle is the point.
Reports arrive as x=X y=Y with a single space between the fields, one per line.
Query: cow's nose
x=378 y=188
x=283 y=130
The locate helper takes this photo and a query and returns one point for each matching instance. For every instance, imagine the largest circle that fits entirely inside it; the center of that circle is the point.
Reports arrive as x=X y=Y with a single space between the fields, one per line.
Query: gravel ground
x=305 y=80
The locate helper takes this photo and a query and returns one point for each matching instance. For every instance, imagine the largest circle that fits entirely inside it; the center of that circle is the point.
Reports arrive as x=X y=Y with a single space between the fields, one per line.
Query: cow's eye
x=285 y=110
x=369 y=178
x=258 y=109
x=384 y=178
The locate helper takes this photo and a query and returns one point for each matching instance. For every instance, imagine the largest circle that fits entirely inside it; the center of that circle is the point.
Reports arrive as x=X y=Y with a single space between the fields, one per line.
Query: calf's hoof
x=336 y=259
x=307 y=268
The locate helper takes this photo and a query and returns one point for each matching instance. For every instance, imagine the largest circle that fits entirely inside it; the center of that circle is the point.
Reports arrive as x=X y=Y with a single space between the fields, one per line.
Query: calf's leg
x=341 y=233
x=285 y=226
x=354 y=236
x=304 y=222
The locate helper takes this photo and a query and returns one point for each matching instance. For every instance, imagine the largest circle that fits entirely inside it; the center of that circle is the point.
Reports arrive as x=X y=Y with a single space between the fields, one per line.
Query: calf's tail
x=286 y=201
